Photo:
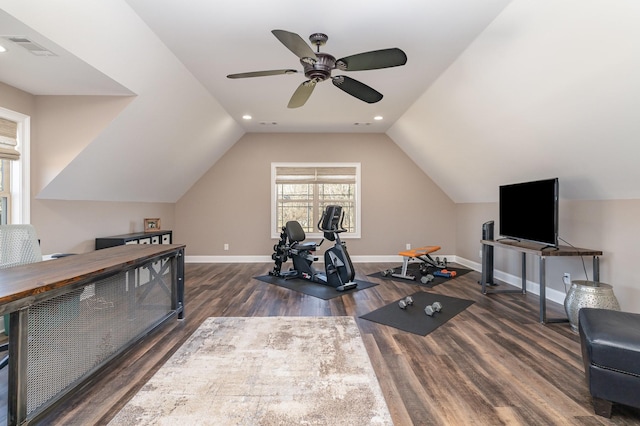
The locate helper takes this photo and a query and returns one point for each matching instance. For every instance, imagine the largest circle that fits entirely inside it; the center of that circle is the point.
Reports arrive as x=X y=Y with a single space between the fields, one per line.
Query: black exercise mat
x=414 y=269
x=312 y=289
x=413 y=319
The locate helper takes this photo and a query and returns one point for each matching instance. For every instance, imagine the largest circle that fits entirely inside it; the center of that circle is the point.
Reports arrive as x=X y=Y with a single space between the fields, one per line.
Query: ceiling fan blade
x=296 y=44
x=301 y=94
x=261 y=73
x=373 y=60
x=357 y=89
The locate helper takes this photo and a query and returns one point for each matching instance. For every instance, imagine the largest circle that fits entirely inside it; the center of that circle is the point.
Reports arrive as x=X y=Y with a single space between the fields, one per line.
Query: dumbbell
x=426 y=278
x=407 y=301
x=433 y=308
x=387 y=272
x=444 y=261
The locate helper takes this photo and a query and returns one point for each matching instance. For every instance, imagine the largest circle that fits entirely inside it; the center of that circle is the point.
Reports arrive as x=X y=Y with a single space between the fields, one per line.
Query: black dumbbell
x=407 y=301
x=433 y=308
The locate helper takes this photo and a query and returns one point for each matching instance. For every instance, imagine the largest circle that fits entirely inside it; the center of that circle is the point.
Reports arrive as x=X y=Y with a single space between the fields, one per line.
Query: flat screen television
x=529 y=211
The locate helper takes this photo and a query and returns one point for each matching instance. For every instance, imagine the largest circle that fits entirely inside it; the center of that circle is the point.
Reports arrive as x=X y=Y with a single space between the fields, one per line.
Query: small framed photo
x=151 y=224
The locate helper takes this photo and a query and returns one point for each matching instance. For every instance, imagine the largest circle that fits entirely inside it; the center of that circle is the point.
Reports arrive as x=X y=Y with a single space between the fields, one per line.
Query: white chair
x=18 y=245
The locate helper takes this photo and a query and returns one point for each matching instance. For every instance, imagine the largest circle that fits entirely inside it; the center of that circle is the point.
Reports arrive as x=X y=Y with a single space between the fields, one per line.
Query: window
x=15 y=203
x=300 y=191
x=5 y=192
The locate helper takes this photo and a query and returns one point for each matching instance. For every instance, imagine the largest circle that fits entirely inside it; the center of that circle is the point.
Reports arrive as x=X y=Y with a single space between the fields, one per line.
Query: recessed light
x=246 y=117
x=2 y=49
x=377 y=117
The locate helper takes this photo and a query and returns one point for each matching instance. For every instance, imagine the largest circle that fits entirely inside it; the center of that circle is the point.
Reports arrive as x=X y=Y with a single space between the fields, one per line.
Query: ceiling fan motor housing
x=321 y=69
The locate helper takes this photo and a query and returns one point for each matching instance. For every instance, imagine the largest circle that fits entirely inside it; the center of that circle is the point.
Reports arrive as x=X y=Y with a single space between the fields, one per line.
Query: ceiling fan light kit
x=317 y=67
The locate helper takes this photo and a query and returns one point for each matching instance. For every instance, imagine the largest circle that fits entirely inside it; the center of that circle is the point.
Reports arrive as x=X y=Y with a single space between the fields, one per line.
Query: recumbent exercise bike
x=338 y=271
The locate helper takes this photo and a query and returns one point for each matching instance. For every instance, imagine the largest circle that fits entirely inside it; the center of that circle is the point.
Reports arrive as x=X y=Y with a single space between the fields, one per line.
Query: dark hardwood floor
x=491 y=364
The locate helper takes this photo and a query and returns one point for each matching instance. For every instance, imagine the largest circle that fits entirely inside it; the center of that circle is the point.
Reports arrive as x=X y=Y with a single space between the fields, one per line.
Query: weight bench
x=423 y=254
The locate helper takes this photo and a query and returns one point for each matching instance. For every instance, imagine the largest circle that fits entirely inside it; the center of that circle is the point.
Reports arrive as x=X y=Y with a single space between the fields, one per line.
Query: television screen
x=529 y=211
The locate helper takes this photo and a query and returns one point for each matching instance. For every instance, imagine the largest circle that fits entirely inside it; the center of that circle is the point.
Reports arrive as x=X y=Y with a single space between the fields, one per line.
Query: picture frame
x=151 y=224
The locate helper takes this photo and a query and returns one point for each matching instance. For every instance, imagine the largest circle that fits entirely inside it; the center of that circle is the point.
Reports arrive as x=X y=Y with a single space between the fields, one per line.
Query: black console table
x=542 y=252
x=148 y=237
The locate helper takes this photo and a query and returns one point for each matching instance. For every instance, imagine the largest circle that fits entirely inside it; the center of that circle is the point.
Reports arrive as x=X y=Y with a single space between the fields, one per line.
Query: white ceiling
x=493 y=92
x=216 y=38
x=59 y=74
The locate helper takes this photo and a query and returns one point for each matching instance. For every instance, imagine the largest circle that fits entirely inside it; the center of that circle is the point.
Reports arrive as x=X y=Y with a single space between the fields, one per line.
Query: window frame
x=275 y=231
x=20 y=210
x=5 y=192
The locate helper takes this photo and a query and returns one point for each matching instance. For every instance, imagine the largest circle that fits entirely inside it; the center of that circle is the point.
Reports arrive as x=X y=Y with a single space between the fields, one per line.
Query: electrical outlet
x=566 y=278
x=480 y=253
x=408 y=246
x=226 y=246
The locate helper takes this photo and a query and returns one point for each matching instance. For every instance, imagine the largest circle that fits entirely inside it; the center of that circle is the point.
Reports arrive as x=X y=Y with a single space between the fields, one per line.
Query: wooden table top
x=30 y=280
x=542 y=249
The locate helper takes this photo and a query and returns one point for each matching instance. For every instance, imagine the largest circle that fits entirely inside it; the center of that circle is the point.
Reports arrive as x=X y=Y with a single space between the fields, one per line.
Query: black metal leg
x=543 y=291
x=484 y=283
x=180 y=284
x=17 y=386
x=524 y=273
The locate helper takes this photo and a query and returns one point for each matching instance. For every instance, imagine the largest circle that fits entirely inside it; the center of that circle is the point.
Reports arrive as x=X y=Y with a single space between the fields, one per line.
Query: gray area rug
x=264 y=371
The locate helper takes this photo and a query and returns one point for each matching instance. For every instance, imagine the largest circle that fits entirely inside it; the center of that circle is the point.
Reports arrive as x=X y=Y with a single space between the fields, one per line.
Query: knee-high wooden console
x=542 y=252
x=70 y=317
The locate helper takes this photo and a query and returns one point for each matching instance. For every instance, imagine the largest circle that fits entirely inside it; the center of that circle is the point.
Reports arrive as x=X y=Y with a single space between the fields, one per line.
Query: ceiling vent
x=31 y=46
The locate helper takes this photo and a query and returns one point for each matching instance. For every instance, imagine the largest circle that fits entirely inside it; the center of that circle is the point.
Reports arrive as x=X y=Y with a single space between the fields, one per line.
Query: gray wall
x=60 y=127
x=231 y=202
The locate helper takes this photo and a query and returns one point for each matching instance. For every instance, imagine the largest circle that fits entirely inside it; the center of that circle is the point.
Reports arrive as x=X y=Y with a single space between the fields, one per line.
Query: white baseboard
x=532 y=287
x=267 y=259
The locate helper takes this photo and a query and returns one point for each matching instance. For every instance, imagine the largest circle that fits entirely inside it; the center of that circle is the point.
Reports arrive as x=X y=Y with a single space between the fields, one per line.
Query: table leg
x=524 y=273
x=596 y=268
x=18 y=352
x=543 y=291
x=484 y=283
x=180 y=283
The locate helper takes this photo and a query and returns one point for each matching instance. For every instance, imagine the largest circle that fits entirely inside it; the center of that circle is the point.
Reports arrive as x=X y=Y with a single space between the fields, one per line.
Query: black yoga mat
x=414 y=269
x=312 y=289
x=413 y=319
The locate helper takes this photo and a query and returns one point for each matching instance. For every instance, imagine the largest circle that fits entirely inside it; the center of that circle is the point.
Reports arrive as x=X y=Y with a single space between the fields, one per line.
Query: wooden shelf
x=541 y=249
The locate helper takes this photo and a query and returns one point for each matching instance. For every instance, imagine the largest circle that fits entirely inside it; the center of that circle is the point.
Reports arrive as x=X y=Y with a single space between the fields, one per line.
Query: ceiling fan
x=318 y=66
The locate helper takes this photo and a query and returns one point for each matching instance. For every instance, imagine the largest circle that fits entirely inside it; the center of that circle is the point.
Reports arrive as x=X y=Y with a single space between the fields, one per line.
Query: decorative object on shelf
x=588 y=294
x=152 y=224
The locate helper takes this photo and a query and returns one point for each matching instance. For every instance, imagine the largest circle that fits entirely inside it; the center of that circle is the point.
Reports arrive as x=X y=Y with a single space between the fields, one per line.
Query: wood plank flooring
x=492 y=364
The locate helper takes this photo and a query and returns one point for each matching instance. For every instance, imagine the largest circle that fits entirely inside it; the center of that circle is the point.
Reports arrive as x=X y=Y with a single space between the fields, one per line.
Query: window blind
x=334 y=174
x=8 y=140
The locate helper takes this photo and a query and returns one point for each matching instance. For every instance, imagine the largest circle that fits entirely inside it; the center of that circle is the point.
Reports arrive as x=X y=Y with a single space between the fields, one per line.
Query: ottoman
x=610 y=342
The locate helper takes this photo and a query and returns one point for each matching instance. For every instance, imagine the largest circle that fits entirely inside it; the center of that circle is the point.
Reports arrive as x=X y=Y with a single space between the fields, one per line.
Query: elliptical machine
x=338 y=271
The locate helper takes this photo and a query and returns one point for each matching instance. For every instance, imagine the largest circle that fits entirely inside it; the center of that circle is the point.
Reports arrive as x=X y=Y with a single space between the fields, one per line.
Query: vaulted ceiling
x=493 y=91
